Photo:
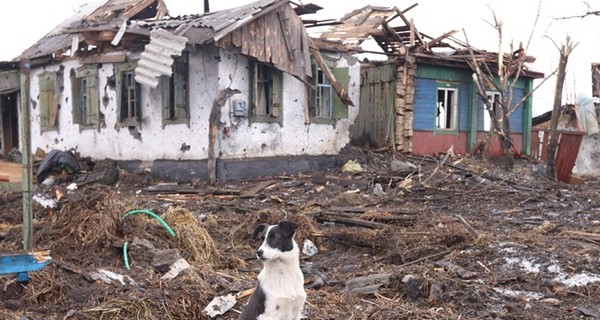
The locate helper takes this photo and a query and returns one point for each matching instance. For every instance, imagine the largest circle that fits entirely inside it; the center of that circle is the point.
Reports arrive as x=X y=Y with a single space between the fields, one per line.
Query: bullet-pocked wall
x=210 y=70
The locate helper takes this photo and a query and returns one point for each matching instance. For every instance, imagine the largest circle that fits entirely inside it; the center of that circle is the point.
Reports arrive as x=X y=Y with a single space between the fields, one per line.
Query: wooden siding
x=495 y=147
x=374 y=123
x=428 y=143
x=278 y=37
x=566 y=152
x=426 y=100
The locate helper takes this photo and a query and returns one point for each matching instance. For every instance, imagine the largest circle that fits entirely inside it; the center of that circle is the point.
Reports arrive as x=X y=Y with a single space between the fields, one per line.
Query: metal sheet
x=156 y=60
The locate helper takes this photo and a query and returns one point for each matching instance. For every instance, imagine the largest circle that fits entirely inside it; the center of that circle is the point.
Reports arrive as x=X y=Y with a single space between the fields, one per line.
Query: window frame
x=273 y=108
x=497 y=108
x=451 y=126
x=123 y=72
x=338 y=109
x=175 y=93
x=319 y=83
x=85 y=98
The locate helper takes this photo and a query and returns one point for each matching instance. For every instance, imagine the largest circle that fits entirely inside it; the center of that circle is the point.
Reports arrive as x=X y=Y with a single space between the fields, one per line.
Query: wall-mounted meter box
x=240 y=108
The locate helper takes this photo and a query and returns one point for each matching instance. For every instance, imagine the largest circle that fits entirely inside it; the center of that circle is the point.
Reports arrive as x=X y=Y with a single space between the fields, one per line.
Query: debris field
x=448 y=237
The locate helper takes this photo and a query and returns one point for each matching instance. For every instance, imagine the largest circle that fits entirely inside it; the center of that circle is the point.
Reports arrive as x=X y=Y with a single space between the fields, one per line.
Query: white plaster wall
x=588 y=158
x=152 y=142
x=211 y=70
x=295 y=137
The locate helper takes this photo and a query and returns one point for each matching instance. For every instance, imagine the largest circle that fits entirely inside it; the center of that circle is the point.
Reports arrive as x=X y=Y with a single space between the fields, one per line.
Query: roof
x=397 y=36
x=95 y=16
x=212 y=26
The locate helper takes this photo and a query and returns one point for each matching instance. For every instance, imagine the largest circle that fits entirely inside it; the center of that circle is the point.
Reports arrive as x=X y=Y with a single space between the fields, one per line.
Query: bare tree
x=589 y=12
x=501 y=76
x=565 y=50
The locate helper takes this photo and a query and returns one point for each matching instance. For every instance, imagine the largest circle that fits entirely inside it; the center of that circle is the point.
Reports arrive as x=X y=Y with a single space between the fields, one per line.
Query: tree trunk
x=565 y=51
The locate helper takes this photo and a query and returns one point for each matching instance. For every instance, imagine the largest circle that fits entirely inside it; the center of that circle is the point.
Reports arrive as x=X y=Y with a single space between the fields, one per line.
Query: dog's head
x=277 y=240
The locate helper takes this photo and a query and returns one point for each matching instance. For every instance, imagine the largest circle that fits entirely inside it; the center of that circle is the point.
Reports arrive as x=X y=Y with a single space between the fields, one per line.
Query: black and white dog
x=280 y=292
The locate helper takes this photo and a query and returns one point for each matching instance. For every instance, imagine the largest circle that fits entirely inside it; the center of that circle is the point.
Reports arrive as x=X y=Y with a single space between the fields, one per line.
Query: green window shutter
x=165 y=97
x=252 y=106
x=180 y=88
x=277 y=93
x=76 y=98
x=138 y=102
x=47 y=84
x=45 y=100
x=340 y=110
x=94 y=100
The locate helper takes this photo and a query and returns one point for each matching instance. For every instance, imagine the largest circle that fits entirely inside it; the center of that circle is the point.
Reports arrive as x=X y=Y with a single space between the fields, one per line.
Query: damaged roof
x=212 y=26
x=94 y=17
x=398 y=36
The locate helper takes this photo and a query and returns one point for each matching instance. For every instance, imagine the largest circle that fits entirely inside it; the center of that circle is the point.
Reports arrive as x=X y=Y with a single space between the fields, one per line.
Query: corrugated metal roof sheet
x=106 y=13
x=57 y=39
x=156 y=60
x=202 y=28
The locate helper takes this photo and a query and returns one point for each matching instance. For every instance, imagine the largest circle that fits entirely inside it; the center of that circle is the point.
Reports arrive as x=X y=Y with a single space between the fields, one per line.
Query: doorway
x=10 y=122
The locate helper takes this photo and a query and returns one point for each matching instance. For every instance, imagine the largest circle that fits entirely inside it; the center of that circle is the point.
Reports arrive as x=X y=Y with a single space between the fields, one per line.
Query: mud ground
x=447 y=238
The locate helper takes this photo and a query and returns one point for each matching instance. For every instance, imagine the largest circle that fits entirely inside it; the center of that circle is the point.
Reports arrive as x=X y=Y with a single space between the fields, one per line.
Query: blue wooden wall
x=427 y=81
x=516 y=118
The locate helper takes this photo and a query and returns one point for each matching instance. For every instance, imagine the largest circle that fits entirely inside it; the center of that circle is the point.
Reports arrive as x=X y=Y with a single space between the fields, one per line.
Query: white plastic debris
x=175 y=269
x=220 y=305
x=44 y=201
x=352 y=167
x=378 y=190
x=309 y=248
x=72 y=186
x=108 y=277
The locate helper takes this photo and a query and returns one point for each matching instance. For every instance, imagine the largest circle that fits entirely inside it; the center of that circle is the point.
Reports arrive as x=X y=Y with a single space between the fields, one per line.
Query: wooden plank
x=256 y=189
x=54 y=110
x=339 y=89
x=116 y=57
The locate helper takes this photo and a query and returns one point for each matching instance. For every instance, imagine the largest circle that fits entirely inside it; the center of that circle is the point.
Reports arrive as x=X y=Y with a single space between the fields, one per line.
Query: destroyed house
x=220 y=95
x=422 y=98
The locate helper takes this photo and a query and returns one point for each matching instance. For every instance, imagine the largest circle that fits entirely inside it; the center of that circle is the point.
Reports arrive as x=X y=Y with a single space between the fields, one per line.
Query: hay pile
x=86 y=233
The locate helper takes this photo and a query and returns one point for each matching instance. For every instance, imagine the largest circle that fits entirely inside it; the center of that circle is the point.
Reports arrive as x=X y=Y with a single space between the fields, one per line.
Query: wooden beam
x=440 y=38
x=339 y=89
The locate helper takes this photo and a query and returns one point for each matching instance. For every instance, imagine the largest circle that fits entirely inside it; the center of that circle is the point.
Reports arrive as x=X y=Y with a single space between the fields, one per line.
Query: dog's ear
x=288 y=228
x=259 y=230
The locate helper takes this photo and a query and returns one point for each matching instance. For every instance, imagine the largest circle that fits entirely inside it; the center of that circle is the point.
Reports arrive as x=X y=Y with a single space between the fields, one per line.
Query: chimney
x=206 y=6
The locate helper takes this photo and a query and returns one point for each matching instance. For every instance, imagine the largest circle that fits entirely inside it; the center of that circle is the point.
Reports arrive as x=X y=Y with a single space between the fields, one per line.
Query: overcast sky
x=25 y=21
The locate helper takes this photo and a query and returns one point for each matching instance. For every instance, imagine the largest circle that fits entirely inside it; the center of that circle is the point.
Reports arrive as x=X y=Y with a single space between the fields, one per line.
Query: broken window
x=128 y=95
x=494 y=99
x=324 y=104
x=49 y=100
x=175 y=93
x=85 y=98
x=267 y=93
x=447 y=109
x=320 y=95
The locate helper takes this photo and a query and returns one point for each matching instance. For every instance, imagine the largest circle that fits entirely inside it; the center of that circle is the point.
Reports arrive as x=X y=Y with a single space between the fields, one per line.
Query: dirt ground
x=448 y=238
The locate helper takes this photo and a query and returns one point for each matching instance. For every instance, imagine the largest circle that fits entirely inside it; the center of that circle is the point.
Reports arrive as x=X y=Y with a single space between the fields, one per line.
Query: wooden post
x=565 y=51
x=215 y=114
x=26 y=156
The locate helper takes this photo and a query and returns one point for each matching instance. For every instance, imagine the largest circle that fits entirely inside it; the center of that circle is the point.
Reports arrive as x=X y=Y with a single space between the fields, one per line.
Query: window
x=324 y=104
x=494 y=98
x=49 y=100
x=320 y=95
x=175 y=93
x=128 y=95
x=447 y=109
x=85 y=98
x=266 y=93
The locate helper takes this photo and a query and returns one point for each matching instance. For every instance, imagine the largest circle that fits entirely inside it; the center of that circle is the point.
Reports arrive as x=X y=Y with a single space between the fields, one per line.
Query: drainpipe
x=26 y=181
x=206 y=6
